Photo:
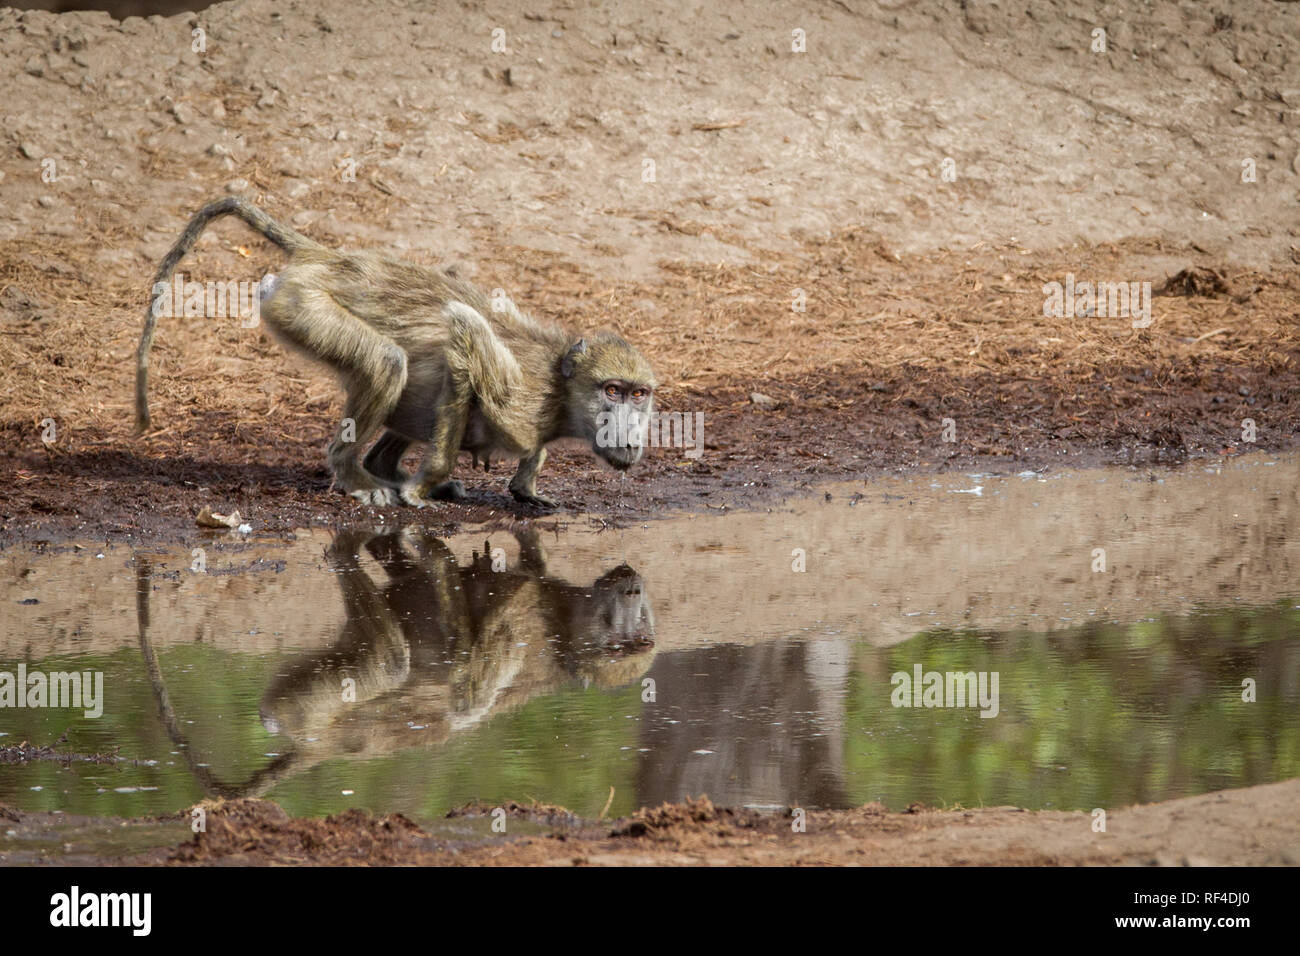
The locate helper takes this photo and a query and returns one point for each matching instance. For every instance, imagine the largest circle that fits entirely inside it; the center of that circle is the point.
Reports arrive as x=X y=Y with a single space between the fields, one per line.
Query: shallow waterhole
x=1129 y=617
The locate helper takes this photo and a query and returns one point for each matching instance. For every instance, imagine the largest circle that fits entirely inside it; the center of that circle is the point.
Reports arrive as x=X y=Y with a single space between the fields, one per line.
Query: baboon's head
x=617 y=611
x=610 y=397
x=611 y=630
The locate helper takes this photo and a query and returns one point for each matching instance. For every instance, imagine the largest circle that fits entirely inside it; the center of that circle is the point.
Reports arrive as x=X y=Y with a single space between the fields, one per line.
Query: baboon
x=444 y=644
x=427 y=357
x=428 y=650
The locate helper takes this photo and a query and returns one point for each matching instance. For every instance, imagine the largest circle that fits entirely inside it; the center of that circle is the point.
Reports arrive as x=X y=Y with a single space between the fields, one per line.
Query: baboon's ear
x=570 y=362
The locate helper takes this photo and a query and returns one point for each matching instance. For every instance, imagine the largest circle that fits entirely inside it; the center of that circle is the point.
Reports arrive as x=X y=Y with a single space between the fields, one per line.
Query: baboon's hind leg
x=524 y=484
x=373 y=368
x=362 y=415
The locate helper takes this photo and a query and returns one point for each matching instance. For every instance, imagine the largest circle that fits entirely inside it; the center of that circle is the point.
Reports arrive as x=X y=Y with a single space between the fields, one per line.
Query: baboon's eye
x=612 y=391
x=639 y=394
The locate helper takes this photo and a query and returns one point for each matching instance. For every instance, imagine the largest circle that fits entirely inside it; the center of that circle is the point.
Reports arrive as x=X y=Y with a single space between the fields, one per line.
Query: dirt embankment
x=771 y=171
x=1204 y=830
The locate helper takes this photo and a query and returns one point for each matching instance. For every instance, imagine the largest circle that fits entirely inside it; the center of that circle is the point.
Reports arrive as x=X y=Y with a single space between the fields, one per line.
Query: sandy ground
x=382 y=125
x=1196 y=831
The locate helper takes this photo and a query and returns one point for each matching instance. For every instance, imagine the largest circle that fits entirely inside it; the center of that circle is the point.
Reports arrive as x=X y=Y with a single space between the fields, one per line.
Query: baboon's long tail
x=287 y=239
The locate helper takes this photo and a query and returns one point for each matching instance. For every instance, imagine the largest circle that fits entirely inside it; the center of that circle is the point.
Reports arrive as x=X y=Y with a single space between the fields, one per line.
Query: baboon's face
x=617 y=615
x=623 y=422
x=611 y=399
x=611 y=631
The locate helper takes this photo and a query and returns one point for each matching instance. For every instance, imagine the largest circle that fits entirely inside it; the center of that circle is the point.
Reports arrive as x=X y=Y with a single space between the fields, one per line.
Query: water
x=399 y=672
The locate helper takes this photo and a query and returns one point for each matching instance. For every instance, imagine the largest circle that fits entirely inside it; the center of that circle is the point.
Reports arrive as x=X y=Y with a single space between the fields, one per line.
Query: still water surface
x=395 y=671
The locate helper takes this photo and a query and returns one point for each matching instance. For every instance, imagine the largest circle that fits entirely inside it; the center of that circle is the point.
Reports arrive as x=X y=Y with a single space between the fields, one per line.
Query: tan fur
x=425 y=356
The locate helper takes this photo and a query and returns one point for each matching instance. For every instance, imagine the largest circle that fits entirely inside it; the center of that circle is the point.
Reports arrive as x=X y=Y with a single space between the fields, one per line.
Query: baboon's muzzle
x=623 y=458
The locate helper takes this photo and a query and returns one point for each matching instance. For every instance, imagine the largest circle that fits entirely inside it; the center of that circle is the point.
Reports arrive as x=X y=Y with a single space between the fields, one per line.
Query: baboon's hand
x=417 y=494
x=346 y=546
x=412 y=496
x=379 y=497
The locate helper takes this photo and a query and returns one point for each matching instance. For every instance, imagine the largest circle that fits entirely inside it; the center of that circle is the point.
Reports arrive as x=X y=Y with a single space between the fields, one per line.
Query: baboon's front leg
x=361 y=416
x=480 y=370
x=449 y=603
x=434 y=480
x=524 y=484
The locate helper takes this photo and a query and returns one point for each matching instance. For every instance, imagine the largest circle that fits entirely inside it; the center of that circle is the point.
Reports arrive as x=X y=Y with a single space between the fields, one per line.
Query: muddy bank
x=1196 y=831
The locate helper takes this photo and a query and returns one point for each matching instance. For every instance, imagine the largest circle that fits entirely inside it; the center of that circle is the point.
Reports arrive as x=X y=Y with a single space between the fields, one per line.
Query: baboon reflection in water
x=441 y=647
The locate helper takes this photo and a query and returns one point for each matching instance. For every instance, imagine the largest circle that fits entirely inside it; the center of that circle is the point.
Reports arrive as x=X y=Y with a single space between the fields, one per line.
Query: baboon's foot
x=537 y=501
